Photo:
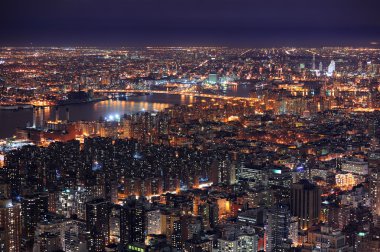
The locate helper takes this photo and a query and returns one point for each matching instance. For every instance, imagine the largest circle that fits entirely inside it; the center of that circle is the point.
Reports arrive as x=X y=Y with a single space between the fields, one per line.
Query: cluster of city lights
x=113 y=118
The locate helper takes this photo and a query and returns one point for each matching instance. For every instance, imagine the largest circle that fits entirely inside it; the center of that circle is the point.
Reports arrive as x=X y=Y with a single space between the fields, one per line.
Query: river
x=10 y=120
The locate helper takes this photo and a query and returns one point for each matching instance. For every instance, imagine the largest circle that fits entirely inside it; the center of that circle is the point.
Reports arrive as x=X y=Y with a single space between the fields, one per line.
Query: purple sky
x=189 y=22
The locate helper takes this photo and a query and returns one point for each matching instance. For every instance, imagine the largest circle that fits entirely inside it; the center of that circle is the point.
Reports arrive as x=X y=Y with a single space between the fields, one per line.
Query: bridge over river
x=175 y=92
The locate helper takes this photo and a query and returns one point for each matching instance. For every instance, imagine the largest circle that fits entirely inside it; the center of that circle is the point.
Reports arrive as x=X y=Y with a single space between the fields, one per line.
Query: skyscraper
x=360 y=66
x=374 y=185
x=280 y=180
x=278 y=228
x=10 y=226
x=154 y=222
x=75 y=236
x=132 y=222
x=97 y=220
x=33 y=209
x=331 y=68
x=176 y=239
x=305 y=203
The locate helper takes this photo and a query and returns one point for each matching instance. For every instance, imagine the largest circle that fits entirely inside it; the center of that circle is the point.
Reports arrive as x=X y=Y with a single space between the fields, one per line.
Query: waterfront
x=94 y=111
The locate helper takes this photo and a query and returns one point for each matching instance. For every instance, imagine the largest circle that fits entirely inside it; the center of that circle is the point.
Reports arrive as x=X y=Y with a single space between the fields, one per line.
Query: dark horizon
x=240 y=23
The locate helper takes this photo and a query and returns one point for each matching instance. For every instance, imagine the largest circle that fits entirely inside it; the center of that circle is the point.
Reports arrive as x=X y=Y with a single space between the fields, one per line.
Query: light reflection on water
x=127 y=107
x=10 y=120
x=91 y=111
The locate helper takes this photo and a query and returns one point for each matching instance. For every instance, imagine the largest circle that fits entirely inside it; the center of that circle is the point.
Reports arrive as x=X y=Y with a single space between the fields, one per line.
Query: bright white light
x=114 y=117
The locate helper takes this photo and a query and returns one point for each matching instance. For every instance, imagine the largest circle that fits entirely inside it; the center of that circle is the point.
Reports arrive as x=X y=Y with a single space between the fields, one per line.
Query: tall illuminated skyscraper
x=33 y=207
x=374 y=185
x=278 y=228
x=97 y=220
x=331 y=68
x=132 y=222
x=10 y=226
x=154 y=222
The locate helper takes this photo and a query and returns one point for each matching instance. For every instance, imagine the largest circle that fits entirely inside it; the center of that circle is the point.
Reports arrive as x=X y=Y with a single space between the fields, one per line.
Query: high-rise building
x=154 y=223
x=278 y=228
x=115 y=211
x=75 y=236
x=214 y=215
x=97 y=222
x=10 y=226
x=280 y=180
x=132 y=222
x=176 y=239
x=34 y=207
x=223 y=171
x=99 y=164
x=168 y=219
x=204 y=212
x=185 y=228
x=306 y=203
x=24 y=171
x=374 y=185
x=331 y=68
x=293 y=230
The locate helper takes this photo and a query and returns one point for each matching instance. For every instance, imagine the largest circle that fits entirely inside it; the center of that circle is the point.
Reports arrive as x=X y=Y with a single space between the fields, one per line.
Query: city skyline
x=189 y=126
x=189 y=149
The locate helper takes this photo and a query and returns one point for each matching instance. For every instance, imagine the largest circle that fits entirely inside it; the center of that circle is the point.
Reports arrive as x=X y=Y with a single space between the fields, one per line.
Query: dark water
x=10 y=120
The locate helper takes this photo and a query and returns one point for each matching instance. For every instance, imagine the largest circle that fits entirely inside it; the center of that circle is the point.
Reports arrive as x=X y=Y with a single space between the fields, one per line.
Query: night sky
x=189 y=22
